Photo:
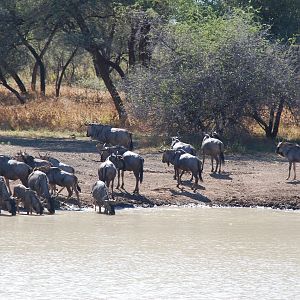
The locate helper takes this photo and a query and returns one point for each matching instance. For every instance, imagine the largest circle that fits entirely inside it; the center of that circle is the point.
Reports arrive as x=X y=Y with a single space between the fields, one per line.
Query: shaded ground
x=256 y=180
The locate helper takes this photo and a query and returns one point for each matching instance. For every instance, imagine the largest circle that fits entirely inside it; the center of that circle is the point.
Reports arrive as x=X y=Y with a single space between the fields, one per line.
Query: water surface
x=169 y=253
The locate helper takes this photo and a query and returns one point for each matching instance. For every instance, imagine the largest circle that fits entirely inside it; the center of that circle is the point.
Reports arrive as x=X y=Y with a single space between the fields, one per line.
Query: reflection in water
x=174 y=253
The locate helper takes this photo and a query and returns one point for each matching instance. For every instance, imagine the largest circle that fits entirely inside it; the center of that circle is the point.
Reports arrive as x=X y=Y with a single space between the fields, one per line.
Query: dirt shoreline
x=246 y=181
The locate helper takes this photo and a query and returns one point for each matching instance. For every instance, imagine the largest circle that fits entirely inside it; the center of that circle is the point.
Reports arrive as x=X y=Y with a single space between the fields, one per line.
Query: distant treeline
x=183 y=65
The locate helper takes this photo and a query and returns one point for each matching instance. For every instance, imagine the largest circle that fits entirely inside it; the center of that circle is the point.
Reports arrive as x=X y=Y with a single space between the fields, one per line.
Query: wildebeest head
x=168 y=156
x=117 y=160
x=175 y=139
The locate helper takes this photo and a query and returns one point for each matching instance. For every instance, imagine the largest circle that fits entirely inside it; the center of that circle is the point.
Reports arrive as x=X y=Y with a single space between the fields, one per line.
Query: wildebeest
x=56 y=176
x=188 y=148
x=32 y=161
x=101 y=198
x=215 y=148
x=7 y=202
x=182 y=162
x=105 y=150
x=107 y=172
x=29 y=198
x=38 y=181
x=292 y=152
x=129 y=161
x=56 y=163
x=111 y=135
x=177 y=144
x=12 y=169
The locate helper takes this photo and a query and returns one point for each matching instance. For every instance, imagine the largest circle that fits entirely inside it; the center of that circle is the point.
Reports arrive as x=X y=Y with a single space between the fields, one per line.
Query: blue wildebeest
x=215 y=148
x=111 y=135
x=56 y=176
x=101 y=198
x=129 y=161
x=12 y=169
x=107 y=172
x=182 y=162
x=7 y=202
x=38 y=181
x=29 y=198
x=178 y=145
x=292 y=152
x=105 y=151
x=56 y=163
x=32 y=161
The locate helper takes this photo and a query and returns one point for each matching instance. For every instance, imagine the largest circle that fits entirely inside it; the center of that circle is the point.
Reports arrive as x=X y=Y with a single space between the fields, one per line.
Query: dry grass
x=66 y=113
x=64 y=116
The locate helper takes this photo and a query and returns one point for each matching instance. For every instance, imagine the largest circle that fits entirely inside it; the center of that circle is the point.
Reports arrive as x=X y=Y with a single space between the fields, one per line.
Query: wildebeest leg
x=174 y=177
x=112 y=189
x=203 y=161
x=179 y=178
x=7 y=184
x=195 y=185
x=77 y=196
x=220 y=162
x=217 y=163
x=118 y=185
x=290 y=166
x=69 y=191
x=294 y=167
x=122 y=175
x=136 y=190
x=212 y=164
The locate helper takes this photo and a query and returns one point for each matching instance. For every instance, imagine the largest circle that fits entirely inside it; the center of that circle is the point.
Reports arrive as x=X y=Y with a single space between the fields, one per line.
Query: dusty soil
x=246 y=180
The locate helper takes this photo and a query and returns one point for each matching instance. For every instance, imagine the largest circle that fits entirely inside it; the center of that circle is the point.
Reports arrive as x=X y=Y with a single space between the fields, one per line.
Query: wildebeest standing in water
x=29 y=198
x=38 y=182
x=110 y=135
x=292 y=152
x=56 y=176
x=101 y=198
x=7 y=202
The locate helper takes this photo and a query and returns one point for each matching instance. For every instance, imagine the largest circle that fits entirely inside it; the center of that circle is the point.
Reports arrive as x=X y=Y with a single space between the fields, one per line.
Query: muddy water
x=174 y=253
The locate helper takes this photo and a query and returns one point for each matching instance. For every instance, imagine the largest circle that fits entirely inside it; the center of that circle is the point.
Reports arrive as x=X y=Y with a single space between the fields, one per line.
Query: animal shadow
x=133 y=198
x=223 y=176
x=191 y=194
x=294 y=182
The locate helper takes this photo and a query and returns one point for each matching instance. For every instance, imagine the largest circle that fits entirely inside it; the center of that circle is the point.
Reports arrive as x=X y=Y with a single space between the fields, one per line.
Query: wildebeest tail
x=131 y=143
x=222 y=154
x=142 y=170
x=200 y=169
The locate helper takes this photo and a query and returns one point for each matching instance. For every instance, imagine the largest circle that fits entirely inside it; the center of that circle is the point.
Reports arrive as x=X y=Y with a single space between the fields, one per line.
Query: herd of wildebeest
x=40 y=176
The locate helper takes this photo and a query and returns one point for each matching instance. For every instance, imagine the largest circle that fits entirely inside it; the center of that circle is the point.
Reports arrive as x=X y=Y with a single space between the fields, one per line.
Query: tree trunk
x=131 y=46
x=36 y=65
x=102 y=70
x=16 y=93
x=39 y=63
x=59 y=79
x=101 y=65
x=278 y=118
x=144 y=52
